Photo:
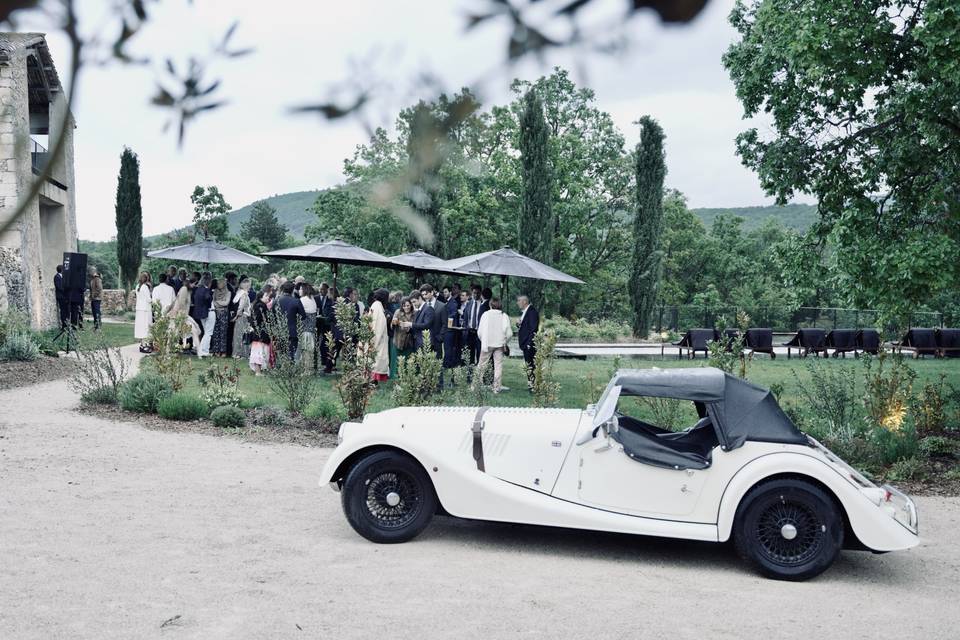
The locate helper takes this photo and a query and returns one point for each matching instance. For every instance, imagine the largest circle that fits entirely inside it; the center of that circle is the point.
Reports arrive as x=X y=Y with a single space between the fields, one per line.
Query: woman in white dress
x=381 y=339
x=144 y=312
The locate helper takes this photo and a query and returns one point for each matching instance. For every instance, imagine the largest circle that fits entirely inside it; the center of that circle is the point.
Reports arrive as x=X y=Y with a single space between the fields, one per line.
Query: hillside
x=291 y=211
x=793 y=216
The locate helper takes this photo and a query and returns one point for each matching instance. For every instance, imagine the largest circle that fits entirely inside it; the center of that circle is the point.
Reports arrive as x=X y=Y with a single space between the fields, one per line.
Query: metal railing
x=780 y=319
x=38 y=156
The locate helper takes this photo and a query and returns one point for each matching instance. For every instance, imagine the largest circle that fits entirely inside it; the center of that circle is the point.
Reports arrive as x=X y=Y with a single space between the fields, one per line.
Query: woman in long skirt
x=260 y=347
x=381 y=365
x=221 y=326
x=241 y=348
x=144 y=312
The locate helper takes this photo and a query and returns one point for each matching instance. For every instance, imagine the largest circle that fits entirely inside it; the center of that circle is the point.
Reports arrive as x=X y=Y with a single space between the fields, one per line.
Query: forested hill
x=793 y=216
x=291 y=211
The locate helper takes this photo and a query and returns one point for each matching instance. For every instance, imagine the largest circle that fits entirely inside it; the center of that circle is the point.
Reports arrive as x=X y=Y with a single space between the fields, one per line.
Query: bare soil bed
x=293 y=431
x=43 y=369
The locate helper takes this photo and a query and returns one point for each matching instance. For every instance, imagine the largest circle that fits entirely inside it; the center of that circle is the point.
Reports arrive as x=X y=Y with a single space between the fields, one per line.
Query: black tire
x=366 y=497
x=773 y=512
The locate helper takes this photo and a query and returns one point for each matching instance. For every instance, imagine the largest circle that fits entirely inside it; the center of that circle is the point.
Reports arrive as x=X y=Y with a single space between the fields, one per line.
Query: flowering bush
x=221 y=386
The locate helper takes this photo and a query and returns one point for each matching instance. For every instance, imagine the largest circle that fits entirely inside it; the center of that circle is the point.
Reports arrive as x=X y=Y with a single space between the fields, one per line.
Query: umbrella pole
x=503 y=288
x=333 y=266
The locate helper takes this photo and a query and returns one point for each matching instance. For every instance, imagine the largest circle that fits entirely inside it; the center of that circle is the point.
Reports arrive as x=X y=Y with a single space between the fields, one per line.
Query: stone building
x=32 y=115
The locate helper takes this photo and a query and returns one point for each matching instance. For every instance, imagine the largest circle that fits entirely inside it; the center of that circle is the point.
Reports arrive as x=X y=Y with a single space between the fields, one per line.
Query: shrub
x=221 y=386
x=326 y=411
x=289 y=377
x=418 y=375
x=929 y=408
x=894 y=446
x=12 y=323
x=44 y=342
x=546 y=389
x=101 y=369
x=267 y=416
x=143 y=392
x=166 y=336
x=906 y=469
x=465 y=393
x=938 y=446
x=227 y=417
x=831 y=400
x=357 y=357
x=668 y=413
x=99 y=395
x=19 y=347
x=182 y=406
x=888 y=383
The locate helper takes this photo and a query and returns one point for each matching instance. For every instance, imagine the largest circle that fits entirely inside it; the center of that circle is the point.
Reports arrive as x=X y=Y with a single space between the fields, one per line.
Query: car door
x=609 y=479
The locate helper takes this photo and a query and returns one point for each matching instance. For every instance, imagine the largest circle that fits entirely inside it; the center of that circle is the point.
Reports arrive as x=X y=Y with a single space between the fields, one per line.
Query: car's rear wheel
x=388 y=497
x=789 y=529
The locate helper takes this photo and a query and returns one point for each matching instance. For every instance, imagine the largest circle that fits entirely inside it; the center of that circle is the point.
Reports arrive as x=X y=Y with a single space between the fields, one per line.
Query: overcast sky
x=254 y=148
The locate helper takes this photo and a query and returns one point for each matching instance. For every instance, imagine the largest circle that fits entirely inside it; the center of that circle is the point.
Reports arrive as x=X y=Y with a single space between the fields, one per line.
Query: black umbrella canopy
x=506 y=262
x=336 y=252
x=420 y=261
x=207 y=252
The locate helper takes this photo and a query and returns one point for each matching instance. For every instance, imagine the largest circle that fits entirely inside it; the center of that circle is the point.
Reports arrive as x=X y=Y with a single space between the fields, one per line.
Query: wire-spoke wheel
x=790 y=529
x=388 y=497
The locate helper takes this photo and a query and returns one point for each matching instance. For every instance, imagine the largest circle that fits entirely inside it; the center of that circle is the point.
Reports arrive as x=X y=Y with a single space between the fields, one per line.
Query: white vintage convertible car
x=743 y=471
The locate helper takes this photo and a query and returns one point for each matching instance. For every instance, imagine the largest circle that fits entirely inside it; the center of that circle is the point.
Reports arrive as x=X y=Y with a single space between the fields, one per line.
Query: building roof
x=42 y=74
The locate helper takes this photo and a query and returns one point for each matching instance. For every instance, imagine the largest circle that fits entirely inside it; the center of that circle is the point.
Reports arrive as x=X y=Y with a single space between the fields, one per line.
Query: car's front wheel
x=789 y=529
x=388 y=497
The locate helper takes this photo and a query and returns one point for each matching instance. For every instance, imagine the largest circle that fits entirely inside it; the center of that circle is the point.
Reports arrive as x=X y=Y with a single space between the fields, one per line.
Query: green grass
x=118 y=334
x=582 y=381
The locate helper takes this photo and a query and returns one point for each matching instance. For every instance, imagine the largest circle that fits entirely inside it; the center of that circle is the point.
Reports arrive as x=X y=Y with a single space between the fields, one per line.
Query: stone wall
x=114 y=302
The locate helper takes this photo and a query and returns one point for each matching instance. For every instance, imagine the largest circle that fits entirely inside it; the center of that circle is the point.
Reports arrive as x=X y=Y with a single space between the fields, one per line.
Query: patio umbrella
x=336 y=252
x=207 y=252
x=507 y=262
x=420 y=262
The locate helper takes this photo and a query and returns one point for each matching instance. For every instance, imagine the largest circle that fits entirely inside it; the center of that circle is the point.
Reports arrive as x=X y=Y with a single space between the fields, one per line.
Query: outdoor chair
x=948 y=343
x=868 y=341
x=760 y=340
x=842 y=341
x=808 y=341
x=922 y=342
x=693 y=340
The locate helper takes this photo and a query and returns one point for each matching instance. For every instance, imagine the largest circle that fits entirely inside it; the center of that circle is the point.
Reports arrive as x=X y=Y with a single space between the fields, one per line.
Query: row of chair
x=936 y=342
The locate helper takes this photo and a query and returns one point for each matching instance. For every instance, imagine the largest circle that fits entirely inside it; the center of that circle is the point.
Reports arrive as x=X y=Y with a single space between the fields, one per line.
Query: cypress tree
x=129 y=218
x=651 y=169
x=536 y=218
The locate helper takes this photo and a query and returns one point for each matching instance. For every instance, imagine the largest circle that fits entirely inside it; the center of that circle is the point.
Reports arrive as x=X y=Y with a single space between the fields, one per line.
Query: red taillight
x=887 y=495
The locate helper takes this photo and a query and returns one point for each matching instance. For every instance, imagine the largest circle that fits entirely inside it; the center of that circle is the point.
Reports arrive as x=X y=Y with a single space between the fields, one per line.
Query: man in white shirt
x=164 y=294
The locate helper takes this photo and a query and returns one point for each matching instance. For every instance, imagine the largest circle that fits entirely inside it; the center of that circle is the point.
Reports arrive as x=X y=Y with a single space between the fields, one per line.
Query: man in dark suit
x=173 y=279
x=471 y=320
x=292 y=309
x=527 y=328
x=63 y=303
x=326 y=322
x=423 y=319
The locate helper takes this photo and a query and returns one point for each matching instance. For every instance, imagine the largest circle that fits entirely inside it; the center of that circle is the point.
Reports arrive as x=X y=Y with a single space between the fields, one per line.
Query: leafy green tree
x=129 y=216
x=862 y=97
x=264 y=227
x=536 y=226
x=651 y=169
x=210 y=211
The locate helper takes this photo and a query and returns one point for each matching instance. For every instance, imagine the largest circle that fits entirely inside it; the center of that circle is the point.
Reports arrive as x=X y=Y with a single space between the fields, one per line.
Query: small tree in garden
x=100 y=369
x=888 y=386
x=417 y=376
x=546 y=389
x=166 y=335
x=210 y=211
x=651 y=168
x=289 y=377
x=728 y=352
x=356 y=359
x=129 y=218
x=466 y=393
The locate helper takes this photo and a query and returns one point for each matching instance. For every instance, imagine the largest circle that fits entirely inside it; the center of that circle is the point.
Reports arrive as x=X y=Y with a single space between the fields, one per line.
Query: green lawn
x=581 y=381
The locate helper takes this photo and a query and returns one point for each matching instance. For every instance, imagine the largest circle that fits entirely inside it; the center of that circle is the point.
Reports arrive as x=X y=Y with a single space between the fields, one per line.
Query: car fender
x=874 y=528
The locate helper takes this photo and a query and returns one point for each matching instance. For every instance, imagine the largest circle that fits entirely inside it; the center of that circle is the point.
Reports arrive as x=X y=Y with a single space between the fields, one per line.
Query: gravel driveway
x=109 y=530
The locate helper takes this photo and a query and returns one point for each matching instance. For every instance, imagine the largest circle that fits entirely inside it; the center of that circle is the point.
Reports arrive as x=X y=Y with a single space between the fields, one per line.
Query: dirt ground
x=44 y=368
x=112 y=530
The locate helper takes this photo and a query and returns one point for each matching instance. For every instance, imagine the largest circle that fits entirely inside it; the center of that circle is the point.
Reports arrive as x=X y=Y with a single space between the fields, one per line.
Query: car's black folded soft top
x=739 y=410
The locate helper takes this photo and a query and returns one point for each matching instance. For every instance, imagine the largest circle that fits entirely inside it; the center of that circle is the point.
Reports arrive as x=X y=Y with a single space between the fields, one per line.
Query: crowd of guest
x=228 y=317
